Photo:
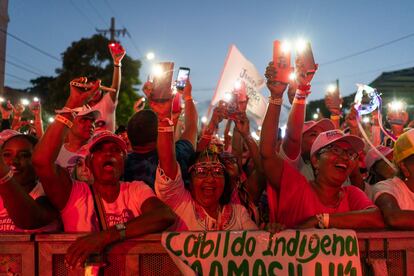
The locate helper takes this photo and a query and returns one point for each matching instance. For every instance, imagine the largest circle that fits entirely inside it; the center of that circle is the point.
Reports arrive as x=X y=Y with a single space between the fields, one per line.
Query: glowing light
x=331 y=88
x=157 y=70
x=283 y=131
x=51 y=119
x=315 y=116
x=285 y=46
x=25 y=101
x=396 y=105
x=143 y=99
x=31 y=121
x=2 y=100
x=36 y=99
x=259 y=128
x=300 y=45
x=366 y=120
x=237 y=84
x=227 y=97
x=150 y=56
x=204 y=119
x=255 y=136
x=112 y=45
x=292 y=76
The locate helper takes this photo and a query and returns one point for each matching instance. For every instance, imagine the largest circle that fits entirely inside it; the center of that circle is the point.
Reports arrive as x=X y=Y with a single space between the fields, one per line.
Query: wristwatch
x=121 y=227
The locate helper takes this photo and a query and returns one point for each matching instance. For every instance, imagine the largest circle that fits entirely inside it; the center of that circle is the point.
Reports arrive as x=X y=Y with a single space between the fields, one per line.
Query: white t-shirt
x=107 y=108
x=191 y=216
x=66 y=159
x=7 y=224
x=79 y=213
x=397 y=188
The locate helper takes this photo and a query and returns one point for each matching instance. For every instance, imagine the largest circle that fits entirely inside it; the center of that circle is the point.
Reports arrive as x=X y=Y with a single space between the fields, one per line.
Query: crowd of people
x=164 y=171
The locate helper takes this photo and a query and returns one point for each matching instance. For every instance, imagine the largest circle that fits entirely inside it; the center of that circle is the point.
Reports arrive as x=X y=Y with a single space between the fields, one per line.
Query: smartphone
x=281 y=60
x=306 y=56
x=162 y=81
x=182 y=77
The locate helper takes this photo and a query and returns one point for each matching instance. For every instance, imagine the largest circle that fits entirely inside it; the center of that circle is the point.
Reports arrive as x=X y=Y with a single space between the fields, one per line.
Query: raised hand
x=333 y=102
x=117 y=52
x=276 y=88
x=82 y=91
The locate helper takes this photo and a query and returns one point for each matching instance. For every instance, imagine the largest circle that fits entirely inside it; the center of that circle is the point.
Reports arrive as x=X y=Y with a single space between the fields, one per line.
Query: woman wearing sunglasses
x=205 y=205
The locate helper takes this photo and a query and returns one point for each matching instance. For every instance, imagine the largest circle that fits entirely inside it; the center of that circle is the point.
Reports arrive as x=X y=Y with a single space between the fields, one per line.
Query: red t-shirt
x=298 y=201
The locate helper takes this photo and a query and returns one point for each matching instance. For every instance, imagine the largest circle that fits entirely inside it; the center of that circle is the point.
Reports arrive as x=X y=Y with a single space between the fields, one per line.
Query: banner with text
x=238 y=68
x=291 y=252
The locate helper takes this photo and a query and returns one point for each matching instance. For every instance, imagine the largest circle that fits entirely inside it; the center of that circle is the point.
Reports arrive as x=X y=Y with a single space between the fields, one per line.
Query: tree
x=89 y=57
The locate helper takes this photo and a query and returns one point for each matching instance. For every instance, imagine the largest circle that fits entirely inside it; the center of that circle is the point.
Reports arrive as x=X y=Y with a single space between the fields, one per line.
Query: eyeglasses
x=340 y=151
x=202 y=170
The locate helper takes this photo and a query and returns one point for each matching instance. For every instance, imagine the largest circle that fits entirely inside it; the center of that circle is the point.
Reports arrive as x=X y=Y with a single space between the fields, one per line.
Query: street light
x=150 y=56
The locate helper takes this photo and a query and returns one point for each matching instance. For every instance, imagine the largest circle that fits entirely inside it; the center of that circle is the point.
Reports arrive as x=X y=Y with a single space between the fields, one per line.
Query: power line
x=367 y=50
x=82 y=13
x=21 y=67
x=30 y=45
x=25 y=64
x=17 y=78
x=96 y=11
x=127 y=32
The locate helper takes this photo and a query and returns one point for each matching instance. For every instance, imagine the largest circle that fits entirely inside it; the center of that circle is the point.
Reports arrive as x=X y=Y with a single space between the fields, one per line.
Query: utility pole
x=113 y=33
x=4 y=21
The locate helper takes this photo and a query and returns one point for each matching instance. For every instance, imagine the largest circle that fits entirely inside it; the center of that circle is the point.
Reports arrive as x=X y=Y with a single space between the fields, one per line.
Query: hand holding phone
x=117 y=52
x=182 y=77
x=281 y=61
x=162 y=80
x=305 y=65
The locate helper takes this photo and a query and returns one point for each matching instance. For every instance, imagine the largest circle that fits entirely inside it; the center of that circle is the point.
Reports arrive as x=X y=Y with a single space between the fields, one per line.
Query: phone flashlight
x=2 y=100
x=36 y=99
x=285 y=46
x=331 y=88
x=157 y=70
x=228 y=96
x=292 y=76
x=300 y=45
x=396 y=105
x=237 y=85
x=204 y=119
x=25 y=102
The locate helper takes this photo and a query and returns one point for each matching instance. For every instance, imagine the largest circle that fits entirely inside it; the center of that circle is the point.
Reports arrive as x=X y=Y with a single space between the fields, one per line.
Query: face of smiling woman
x=207 y=183
x=335 y=162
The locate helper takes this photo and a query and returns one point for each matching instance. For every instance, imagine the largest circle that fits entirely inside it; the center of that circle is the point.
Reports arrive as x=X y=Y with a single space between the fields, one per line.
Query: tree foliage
x=89 y=57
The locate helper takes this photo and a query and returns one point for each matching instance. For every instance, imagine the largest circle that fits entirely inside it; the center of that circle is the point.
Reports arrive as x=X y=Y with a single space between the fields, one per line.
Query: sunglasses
x=204 y=169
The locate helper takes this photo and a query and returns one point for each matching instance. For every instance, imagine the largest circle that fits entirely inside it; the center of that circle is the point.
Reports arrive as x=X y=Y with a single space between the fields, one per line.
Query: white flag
x=238 y=68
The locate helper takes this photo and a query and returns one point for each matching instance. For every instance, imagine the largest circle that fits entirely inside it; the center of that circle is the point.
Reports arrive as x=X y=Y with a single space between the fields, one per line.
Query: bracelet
x=299 y=101
x=117 y=65
x=323 y=220
x=335 y=117
x=188 y=98
x=64 y=120
x=6 y=178
x=167 y=120
x=166 y=129
x=277 y=101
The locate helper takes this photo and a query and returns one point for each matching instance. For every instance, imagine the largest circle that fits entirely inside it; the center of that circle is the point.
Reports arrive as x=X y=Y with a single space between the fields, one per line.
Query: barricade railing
x=43 y=254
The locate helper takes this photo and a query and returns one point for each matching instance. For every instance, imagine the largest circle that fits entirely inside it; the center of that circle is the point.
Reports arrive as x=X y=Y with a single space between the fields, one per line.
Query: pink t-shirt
x=298 y=201
x=79 y=213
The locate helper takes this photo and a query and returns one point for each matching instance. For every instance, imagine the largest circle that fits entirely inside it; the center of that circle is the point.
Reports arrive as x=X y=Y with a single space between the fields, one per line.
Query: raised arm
x=211 y=128
x=293 y=140
x=117 y=53
x=190 y=116
x=256 y=181
x=55 y=180
x=165 y=140
x=272 y=162
x=36 y=110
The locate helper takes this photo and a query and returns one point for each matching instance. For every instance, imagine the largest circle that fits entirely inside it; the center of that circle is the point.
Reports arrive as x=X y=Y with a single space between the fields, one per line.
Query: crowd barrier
x=43 y=254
